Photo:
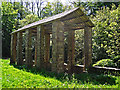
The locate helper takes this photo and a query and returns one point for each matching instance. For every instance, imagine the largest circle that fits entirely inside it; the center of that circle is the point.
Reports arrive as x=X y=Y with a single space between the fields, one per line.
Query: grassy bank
x=20 y=77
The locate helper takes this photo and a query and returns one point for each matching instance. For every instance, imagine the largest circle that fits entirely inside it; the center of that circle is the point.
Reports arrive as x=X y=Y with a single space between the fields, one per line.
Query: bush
x=105 y=63
x=106 y=33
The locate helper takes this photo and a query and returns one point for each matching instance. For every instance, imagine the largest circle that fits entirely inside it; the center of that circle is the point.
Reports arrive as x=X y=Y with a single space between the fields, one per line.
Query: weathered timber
x=56 y=25
x=58 y=47
x=35 y=51
x=19 y=49
x=71 y=50
x=13 y=48
x=40 y=46
x=65 y=16
x=28 y=48
x=87 y=47
x=47 y=50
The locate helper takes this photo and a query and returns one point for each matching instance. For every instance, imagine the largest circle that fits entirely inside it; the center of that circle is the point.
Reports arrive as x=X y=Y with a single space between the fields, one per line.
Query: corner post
x=13 y=48
x=19 y=49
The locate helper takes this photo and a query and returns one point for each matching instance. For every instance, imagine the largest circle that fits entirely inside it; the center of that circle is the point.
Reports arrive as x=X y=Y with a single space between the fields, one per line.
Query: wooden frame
x=56 y=25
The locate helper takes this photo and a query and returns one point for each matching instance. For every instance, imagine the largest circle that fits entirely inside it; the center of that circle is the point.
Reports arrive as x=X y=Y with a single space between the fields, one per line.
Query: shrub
x=105 y=63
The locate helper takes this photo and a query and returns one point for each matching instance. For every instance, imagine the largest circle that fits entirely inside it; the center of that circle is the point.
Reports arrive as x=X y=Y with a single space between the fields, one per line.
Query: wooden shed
x=68 y=21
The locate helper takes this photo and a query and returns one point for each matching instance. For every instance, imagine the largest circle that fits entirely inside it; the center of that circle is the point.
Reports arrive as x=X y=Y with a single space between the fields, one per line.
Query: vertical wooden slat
x=71 y=50
x=87 y=47
x=13 y=48
x=40 y=47
x=47 y=49
x=11 y=57
x=58 y=47
x=35 y=50
x=28 y=48
x=19 y=49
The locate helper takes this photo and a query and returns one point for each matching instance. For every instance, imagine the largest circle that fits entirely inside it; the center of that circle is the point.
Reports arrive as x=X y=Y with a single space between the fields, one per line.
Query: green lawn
x=19 y=77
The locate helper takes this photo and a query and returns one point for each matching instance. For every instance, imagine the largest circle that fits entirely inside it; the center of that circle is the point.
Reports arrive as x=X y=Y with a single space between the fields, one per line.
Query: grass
x=21 y=77
x=0 y=75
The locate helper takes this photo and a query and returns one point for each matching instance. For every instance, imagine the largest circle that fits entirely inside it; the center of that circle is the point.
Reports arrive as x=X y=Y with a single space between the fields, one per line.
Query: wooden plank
x=40 y=46
x=58 y=47
x=49 y=19
x=87 y=47
x=13 y=48
x=11 y=57
x=12 y=45
x=71 y=50
x=28 y=48
x=19 y=49
x=35 y=50
x=47 y=49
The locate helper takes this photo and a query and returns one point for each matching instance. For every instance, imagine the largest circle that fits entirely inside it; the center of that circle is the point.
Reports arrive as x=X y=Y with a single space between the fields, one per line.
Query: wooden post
x=87 y=47
x=40 y=47
x=71 y=50
x=13 y=48
x=28 y=48
x=35 y=50
x=19 y=49
x=47 y=49
x=58 y=47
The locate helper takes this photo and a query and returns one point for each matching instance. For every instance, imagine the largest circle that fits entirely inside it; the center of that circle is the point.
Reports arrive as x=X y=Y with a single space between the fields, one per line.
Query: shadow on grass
x=82 y=78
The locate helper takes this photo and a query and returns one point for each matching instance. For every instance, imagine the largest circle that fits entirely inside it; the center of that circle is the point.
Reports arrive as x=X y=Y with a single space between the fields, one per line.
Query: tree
x=54 y=8
x=106 y=33
x=92 y=7
x=28 y=19
x=8 y=21
x=12 y=12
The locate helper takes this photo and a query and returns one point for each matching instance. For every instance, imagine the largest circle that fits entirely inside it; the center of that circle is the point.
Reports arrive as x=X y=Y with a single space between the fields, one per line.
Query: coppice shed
x=57 y=25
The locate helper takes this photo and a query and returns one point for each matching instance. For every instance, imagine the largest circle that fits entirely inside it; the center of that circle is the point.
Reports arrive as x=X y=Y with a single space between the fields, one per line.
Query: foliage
x=117 y=60
x=79 y=46
x=28 y=19
x=106 y=33
x=9 y=16
x=11 y=13
x=20 y=77
x=53 y=8
x=105 y=63
x=91 y=7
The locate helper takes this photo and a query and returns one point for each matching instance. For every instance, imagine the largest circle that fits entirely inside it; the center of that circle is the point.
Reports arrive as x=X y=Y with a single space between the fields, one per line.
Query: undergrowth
x=20 y=77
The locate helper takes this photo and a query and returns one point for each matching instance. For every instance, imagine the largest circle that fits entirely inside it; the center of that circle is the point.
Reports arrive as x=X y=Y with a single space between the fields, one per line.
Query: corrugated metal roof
x=76 y=17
